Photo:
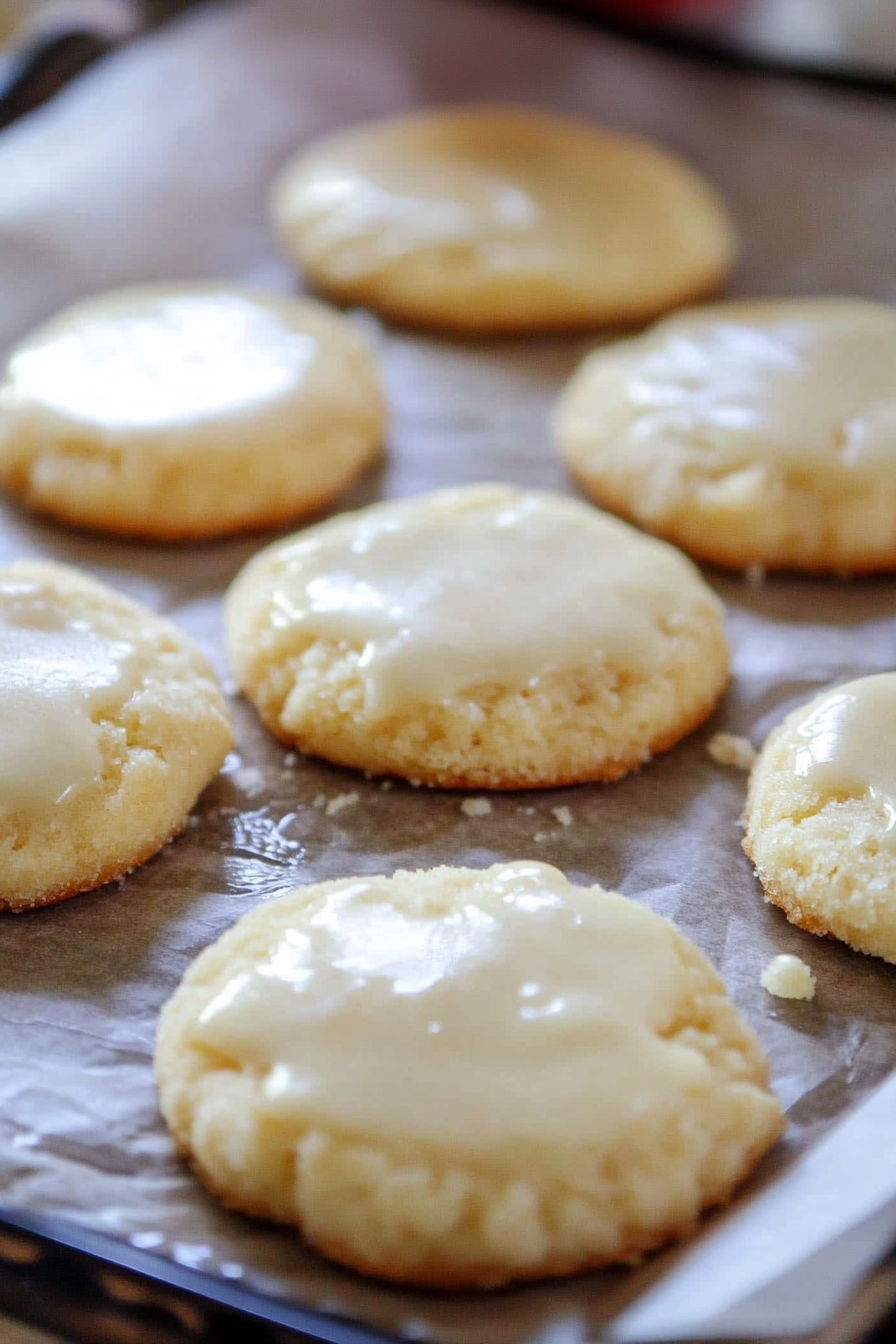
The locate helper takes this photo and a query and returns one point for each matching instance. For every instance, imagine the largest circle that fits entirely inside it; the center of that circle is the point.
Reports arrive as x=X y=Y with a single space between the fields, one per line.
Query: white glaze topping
x=846 y=744
x=487 y=585
x=804 y=384
x=56 y=675
x=530 y=1012
x=391 y=210
x=157 y=357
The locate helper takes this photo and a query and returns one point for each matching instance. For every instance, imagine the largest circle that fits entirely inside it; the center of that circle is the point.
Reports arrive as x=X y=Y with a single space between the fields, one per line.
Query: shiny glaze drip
x=485 y=586
x=160 y=358
x=530 y=1011
x=846 y=744
x=56 y=677
x=803 y=385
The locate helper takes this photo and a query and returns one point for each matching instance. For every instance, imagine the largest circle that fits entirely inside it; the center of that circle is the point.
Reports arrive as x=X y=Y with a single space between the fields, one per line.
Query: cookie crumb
x=476 y=807
x=341 y=801
x=788 y=977
x=563 y=815
x=386 y=785
x=727 y=749
x=319 y=800
x=291 y=759
x=755 y=575
x=249 y=780
x=539 y=836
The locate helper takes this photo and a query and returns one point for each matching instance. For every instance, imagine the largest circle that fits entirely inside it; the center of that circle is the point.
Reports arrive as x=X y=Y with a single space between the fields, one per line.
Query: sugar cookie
x=750 y=434
x=484 y=637
x=188 y=411
x=485 y=220
x=459 y=1078
x=111 y=724
x=821 y=815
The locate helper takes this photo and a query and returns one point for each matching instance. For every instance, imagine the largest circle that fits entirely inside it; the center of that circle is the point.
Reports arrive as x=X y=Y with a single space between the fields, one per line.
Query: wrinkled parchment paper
x=155 y=165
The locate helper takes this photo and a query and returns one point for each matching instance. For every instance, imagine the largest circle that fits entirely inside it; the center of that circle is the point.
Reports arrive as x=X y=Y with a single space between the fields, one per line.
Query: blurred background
x=854 y=37
x=850 y=41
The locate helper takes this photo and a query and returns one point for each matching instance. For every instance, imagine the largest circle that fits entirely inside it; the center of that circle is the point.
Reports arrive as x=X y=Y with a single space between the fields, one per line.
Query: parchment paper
x=155 y=165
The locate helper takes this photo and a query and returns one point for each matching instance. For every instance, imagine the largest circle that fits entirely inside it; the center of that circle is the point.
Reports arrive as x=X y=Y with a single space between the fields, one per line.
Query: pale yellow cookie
x=111 y=724
x=821 y=815
x=757 y=434
x=485 y=637
x=485 y=220
x=185 y=411
x=458 y=1078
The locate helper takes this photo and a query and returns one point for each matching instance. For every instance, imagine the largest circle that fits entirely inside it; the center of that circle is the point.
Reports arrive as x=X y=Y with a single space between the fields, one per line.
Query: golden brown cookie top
x=501 y=218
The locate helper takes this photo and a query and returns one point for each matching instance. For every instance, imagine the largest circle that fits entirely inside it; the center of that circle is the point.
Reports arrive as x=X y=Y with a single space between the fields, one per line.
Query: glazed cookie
x=485 y=637
x=459 y=1078
x=188 y=411
x=111 y=724
x=821 y=815
x=486 y=220
x=754 y=433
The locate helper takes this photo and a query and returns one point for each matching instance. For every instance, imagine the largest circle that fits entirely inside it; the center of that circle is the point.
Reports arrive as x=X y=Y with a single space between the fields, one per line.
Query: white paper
x=781 y=1264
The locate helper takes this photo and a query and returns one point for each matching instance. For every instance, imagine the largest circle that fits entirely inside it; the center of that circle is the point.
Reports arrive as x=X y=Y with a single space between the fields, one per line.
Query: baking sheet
x=155 y=165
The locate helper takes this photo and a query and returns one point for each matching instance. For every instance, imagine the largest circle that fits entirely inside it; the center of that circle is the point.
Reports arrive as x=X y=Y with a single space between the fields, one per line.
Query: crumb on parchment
x=787 y=977
x=342 y=800
x=727 y=749
x=476 y=807
x=563 y=815
x=249 y=780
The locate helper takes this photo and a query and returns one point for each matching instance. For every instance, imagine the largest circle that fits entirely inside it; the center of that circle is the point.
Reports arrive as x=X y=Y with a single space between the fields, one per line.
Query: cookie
x=459 y=1078
x=188 y=411
x=750 y=433
x=491 y=220
x=485 y=637
x=821 y=815
x=111 y=724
